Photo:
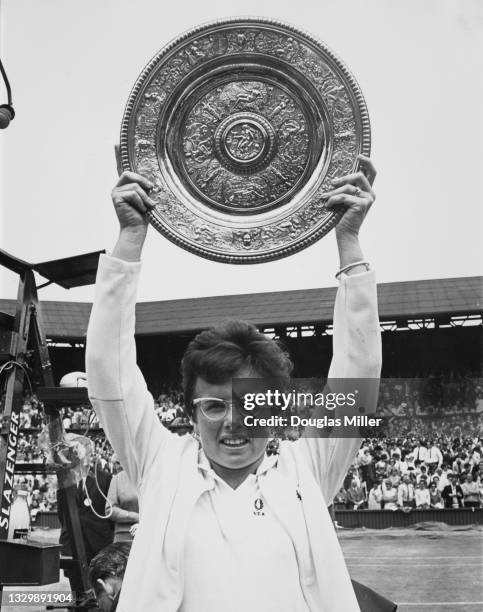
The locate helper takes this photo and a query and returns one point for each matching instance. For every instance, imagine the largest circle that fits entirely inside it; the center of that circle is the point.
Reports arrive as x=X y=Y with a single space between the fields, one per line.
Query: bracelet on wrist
x=350 y=266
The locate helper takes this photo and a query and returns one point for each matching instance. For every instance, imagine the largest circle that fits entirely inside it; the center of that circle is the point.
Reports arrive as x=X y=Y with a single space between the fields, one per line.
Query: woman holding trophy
x=222 y=525
x=245 y=140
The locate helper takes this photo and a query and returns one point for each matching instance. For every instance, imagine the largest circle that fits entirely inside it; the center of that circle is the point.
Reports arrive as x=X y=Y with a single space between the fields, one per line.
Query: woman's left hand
x=353 y=194
x=133 y=529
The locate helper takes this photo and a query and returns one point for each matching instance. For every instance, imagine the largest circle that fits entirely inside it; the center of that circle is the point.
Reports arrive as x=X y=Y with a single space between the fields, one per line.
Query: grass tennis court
x=433 y=569
x=438 y=569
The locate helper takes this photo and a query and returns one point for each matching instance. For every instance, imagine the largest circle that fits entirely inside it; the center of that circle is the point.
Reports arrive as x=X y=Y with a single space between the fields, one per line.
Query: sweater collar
x=269 y=461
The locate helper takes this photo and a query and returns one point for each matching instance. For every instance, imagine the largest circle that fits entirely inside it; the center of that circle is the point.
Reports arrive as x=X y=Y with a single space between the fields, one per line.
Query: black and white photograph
x=241 y=306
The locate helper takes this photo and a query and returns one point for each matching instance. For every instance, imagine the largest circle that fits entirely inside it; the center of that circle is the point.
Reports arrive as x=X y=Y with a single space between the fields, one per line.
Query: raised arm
x=117 y=389
x=356 y=337
x=356 y=331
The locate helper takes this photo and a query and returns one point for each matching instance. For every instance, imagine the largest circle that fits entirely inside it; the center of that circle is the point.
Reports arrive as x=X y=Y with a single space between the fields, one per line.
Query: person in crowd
x=405 y=493
x=366 y=467
x=452 y=493
x=420 y=453
x=375 y=496
x=471 y=492
x=423 y=478
x=460 y=464
x=395 y=477
x=67 y=421
x=96 y=527
x=25 y=417
x=35 y=418
x=434 y=458
x=421 y=496
x=446 y=454
x=106 y=573
x=476 y=455
x=409 y=459
x=382 y=466
x=435 y=497
x=77 y=417
x=444 y=476
x=122 y=501
x=389 y=495
x=355 y=496
x=396 y=461
x=477 y=471
x=403 y=464
x=237 y=526
x=340 y=500
x=51 y=494
x=435 y=480
x=395 y=451
x=352 y=474
x=422 y=473
x=107 y=569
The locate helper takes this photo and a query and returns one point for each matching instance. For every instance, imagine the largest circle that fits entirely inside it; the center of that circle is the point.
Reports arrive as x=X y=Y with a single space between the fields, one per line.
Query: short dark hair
x=109 y=563
x=217 y=354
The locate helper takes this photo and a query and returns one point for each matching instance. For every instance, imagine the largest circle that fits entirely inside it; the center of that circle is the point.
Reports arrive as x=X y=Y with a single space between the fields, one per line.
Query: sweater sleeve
x=356 y=355
x=117 y=389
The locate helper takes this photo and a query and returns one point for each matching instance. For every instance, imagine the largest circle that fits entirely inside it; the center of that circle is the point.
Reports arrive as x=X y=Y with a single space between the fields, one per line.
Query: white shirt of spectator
x=443 y=480
x=476 y=457
x=434 y=456
x=405 y=494
x=403 y=466
x=375 y=498
x=422 y=497
x=420 y=453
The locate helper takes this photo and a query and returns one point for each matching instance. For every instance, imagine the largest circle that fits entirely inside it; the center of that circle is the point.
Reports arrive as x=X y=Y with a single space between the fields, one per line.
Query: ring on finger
x=357 y=192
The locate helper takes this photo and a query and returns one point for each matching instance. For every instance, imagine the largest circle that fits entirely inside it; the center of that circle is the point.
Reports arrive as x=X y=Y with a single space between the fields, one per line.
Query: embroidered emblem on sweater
x=258 y=504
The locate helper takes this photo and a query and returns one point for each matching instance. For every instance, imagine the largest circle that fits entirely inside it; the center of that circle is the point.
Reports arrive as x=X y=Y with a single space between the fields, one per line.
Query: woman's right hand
x=132 y=202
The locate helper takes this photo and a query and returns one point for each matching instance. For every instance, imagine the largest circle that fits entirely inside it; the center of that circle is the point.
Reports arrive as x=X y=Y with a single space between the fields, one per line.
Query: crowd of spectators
x=407 y=473
x=434 y=405
x=431 y=455
x=169 y=408
x=79 y=420
x=41 y=491
x=31 y=416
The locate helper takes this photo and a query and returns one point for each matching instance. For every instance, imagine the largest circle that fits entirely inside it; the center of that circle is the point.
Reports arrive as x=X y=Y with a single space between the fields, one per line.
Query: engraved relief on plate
x=241 y=125
x=245 y=146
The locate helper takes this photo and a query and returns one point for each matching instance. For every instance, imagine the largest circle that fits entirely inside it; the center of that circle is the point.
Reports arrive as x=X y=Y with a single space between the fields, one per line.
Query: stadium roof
x=411 y=299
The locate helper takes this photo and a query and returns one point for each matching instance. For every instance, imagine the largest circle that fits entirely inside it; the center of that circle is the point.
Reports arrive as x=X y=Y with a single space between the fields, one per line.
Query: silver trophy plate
x=241 y=124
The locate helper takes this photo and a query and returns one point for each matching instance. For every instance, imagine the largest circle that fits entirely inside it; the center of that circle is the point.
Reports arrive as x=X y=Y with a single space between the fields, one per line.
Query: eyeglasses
x=216 y=409
x=213 y=408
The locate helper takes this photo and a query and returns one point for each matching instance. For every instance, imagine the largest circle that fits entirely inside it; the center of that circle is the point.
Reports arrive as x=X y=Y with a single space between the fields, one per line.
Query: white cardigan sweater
x=165 y=466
